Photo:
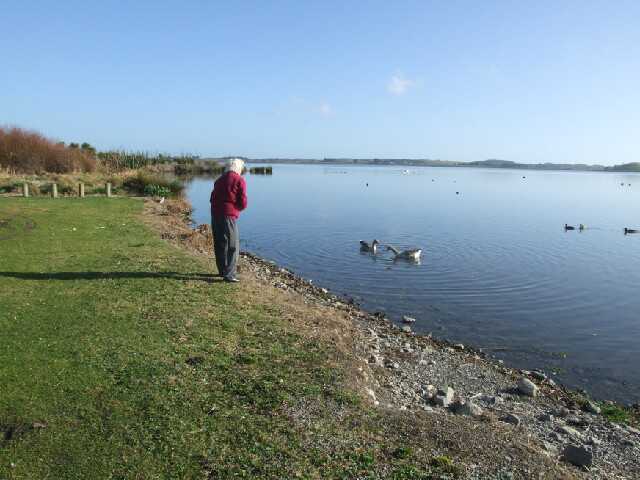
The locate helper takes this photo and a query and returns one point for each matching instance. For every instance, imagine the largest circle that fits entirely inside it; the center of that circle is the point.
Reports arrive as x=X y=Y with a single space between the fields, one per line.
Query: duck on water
x=369 y=247
x=411 y=254
x=571 y=227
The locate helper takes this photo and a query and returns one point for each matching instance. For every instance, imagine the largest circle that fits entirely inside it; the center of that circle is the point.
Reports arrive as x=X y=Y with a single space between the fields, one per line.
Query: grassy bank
x=123 y=358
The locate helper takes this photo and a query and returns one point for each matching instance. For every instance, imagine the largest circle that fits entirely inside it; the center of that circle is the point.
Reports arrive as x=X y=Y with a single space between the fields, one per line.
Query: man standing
x=228 y=199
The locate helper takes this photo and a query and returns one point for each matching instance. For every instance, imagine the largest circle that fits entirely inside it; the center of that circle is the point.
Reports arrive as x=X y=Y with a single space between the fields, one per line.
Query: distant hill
x=625 y=167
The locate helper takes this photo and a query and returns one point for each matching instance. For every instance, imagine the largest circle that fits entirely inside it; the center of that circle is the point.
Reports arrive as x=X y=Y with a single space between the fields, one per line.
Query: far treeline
x=491 y=163
x=28 y=152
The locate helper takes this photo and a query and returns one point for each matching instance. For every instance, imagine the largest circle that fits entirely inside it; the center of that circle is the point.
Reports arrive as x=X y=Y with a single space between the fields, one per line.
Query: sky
x=555 y=81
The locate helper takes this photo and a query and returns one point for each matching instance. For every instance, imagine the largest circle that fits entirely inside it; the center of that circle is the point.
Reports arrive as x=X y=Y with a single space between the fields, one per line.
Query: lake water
x=498 y=271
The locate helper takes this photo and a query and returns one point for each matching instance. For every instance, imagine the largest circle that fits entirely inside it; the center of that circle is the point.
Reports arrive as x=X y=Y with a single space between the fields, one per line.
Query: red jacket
x=229 y=196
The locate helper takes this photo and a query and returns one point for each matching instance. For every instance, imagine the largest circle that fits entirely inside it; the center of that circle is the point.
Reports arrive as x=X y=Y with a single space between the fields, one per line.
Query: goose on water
x=630 y=230
x=569 y=227
x=412 y=254
x=369 y=247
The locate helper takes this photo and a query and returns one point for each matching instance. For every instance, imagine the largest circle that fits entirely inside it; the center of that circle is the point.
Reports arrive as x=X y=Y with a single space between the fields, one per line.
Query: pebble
x=575 y=420
x=527 y=387
x=572 y=432
x=444 y=396
x=578 y=456
x=633 y=430
x=489 y=399
x=550 y=447
x=468 y=408
x=546 y=417
x=510 y=418
x=594 y=441
x=592 y=408
x=391 y=364
x=430 y=391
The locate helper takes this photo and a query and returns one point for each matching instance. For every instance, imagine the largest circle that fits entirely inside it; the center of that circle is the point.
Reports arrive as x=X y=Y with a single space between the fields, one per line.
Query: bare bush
x=24 y=151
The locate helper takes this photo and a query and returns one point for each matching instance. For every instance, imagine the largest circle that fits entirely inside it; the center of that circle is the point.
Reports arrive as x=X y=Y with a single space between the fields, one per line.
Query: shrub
x=10 y=186
x=156 y=191
x=139 y=182
x=23 y=151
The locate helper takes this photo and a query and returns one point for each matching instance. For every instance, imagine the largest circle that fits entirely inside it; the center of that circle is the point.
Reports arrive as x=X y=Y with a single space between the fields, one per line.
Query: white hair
x=235 y=165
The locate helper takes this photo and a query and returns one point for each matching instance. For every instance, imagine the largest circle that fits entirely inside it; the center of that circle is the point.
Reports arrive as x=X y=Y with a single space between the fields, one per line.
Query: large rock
x=468 y=408
x=510 y=418
x=578 y=456
x=406 y=329
x=430 y=391
x=444 y=397
x=527 y=387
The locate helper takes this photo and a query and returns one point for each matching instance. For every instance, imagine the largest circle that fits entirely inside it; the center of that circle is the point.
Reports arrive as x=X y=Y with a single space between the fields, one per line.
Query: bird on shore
x=629 y=230
x=411 y=254
x=569 y=227
x=369 y=247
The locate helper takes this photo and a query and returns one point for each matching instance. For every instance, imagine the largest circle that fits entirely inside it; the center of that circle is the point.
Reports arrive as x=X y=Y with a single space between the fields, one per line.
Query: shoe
x=231 y=280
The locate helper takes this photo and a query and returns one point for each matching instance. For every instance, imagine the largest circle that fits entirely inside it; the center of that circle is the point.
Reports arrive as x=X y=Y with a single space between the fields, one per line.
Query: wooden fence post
x=81 y=190
x=54 y=190
x=108 y=189
x=25 y=189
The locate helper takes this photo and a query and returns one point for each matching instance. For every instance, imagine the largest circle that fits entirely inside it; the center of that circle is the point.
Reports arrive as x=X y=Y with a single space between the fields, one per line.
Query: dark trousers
x=226 y=245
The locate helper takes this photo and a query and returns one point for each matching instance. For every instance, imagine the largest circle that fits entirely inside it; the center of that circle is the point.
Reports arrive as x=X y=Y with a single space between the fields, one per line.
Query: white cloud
x=398 y=85
x=325 y=109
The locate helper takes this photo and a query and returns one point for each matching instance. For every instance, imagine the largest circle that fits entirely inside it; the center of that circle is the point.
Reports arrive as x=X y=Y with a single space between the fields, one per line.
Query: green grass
x=615 y=413
x=120 y=359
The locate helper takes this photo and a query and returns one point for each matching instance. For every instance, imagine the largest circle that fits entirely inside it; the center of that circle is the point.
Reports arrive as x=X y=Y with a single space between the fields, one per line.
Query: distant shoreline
x=492 y=163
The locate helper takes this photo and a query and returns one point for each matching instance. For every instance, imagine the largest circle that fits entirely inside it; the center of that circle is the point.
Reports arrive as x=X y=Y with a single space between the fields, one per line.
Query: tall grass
x=151 y=184
x=24 y=151
x=118 y=160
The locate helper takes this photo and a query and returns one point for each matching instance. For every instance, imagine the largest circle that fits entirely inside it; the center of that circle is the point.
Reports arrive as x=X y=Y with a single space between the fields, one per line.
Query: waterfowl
x=569 y=227
x=366 y=247
x=630 y=230
x=582 y=227
x=412 y=254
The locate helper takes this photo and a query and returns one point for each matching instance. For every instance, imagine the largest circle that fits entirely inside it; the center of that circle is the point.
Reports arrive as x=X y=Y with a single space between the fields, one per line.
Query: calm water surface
x=498 y=271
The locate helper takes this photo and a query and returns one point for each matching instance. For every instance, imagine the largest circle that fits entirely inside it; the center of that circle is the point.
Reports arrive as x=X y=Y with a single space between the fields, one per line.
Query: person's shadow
x=203 y=277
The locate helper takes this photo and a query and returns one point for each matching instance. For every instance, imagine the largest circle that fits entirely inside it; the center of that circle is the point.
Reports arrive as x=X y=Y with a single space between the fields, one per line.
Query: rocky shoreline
x=422 y=375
